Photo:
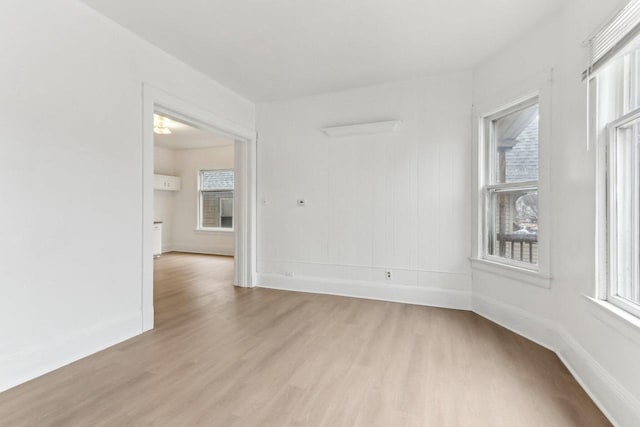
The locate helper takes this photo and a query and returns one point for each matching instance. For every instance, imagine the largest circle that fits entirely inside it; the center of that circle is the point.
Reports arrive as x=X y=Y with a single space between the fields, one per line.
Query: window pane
x=226 y=212
x=217 y=209
x=627 y=228
x=217 y=180
x=516 y=146
x=513 y=225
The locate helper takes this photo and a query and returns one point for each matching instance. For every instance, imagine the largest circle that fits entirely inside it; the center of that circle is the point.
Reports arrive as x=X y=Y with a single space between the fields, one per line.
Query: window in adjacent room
x=511 y=189
x=216 y=199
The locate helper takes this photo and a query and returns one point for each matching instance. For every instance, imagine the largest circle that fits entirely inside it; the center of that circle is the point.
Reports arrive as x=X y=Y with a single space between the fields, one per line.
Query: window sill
x=214 y=230
x=523 y=275
x=623 y=322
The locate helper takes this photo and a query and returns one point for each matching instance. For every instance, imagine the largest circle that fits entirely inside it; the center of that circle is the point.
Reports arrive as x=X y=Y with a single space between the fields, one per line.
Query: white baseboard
x=206 y=250
x=437 y=297
x=347 y=273
x=26 y=365
x=615 y=401
x=534 y=328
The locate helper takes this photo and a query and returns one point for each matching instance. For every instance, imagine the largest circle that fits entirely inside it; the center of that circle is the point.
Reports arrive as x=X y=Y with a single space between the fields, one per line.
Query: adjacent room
x=248 y=213
x=193 y=207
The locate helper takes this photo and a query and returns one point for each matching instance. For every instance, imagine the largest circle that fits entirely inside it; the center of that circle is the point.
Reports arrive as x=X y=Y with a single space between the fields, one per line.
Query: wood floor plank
x=226 y=356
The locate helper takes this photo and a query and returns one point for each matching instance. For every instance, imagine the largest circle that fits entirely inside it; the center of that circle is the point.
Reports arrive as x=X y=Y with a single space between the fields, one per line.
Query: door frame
x=157 y=100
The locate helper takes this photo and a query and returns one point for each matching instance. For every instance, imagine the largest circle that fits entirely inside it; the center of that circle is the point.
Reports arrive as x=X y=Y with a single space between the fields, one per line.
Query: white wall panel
x=396 y=201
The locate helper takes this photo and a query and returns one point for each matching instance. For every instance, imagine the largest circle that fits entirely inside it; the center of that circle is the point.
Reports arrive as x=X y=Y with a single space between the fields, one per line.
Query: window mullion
x=636 y=250
x=527 y=185
x=612 y=219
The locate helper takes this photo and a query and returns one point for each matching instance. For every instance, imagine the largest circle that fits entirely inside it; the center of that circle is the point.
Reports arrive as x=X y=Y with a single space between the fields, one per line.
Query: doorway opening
x=198 y=198
x=193 y=206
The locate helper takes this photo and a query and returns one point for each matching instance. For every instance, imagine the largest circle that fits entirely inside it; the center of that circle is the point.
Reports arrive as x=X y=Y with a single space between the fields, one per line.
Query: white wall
x=164 y=202
x=601 y=350
x=70 y=110
x=185 y=237
x=164 y=161
x=396 y=201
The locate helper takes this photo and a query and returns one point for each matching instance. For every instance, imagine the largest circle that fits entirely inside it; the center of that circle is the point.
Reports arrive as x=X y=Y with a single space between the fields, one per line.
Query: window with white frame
x=510 y=188
x=624 y=212
x=617 y=128
x=216 y=199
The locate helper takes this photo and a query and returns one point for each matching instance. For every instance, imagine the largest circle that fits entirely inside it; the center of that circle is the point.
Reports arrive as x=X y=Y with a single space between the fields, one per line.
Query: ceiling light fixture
x=160 y=125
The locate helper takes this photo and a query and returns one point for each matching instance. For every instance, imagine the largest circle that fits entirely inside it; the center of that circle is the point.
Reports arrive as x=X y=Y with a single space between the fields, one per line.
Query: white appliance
x=157 y=238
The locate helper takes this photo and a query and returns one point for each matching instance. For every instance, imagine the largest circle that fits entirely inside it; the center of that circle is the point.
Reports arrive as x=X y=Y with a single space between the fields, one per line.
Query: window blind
x=613 y=36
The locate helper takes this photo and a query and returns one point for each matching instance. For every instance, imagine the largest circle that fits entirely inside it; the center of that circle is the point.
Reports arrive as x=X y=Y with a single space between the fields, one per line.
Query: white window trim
x=515 y=272
x=539 y=276
x=618 y=319
x=490 y=180
x=199 y=226
x=607 y=195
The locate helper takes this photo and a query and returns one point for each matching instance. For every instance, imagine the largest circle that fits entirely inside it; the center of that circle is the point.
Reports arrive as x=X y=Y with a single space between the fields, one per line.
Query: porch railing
x=514 y=245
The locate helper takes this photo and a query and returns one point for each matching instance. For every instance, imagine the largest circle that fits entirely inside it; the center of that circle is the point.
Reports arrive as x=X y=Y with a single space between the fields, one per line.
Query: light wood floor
x=223 y=356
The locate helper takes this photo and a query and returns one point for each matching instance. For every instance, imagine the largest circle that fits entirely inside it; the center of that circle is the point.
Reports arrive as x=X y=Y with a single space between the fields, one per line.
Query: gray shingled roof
x=217 y=180
x=522 y=159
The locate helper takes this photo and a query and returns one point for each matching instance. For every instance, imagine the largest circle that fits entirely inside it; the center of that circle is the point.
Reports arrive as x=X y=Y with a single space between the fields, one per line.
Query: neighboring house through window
x=511 y=185
x=216 y=199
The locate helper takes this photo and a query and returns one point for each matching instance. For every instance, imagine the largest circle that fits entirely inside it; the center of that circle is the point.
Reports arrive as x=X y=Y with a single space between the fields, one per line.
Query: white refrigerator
x=157 y=238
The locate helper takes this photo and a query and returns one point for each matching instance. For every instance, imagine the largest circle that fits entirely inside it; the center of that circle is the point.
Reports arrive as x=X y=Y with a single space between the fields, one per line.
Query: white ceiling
x=274 y=49
x=186 y=137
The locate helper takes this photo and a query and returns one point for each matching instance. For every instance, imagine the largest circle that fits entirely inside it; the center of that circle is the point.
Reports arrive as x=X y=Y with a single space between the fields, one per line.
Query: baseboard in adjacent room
x=205 y=250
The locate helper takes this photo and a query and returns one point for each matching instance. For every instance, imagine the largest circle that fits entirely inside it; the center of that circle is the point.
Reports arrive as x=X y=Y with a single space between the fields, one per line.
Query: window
x=216 y=199
x=511 y=185
x=618 y=130
x=624 y=213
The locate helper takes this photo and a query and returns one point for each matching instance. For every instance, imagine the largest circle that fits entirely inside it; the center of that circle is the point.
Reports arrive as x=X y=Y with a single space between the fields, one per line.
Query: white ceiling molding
x=361 y=129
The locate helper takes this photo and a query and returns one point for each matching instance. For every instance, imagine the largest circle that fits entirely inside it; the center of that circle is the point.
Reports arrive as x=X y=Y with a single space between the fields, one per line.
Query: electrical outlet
x=387 y=274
